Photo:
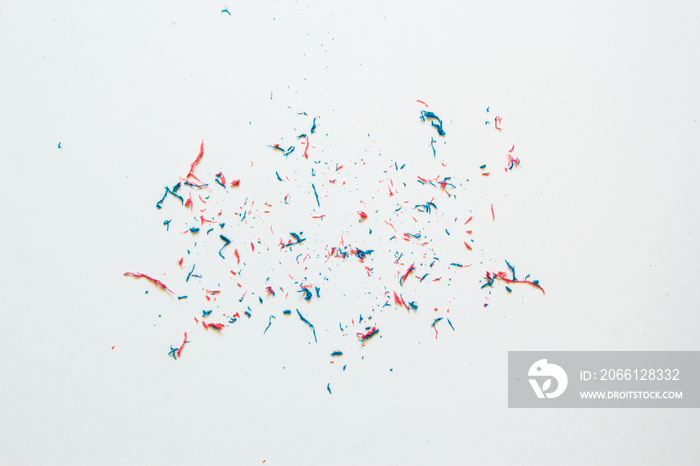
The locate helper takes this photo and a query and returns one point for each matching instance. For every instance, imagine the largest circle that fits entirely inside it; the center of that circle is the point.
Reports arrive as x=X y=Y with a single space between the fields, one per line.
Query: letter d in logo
x=542 y=369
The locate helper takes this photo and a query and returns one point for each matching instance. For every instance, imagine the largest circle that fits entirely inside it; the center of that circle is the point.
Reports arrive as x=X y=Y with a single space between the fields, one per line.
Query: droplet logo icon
x=543 y=372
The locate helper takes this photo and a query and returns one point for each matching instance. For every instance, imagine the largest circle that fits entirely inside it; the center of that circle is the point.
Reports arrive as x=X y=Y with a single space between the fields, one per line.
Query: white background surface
x=600 y=100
